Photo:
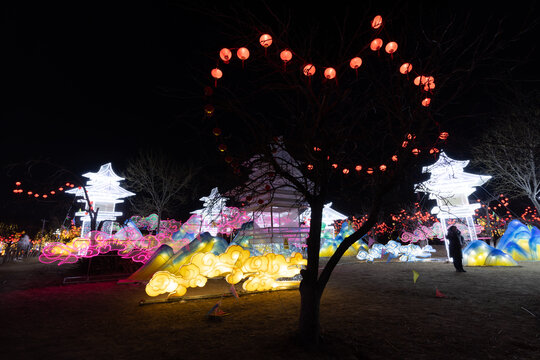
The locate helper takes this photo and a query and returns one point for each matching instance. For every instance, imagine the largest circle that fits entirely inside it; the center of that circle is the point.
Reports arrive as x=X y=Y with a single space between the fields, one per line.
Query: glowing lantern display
x=216 y=131
x=426 y=102
x=209 y=109
x=309 y=70
x=222 y=147
x=285 y=56
x=310 y=167
x=443 y=135
x=265 y=40
x=243 y=54
x=415 y=151
x=330 y=73
x=358 y=167
x=376 y=23
x=18 y=183
x=369 y=171
x=225 y=55
x=394 y=158
x=391 y=47
x=405 y=68
x=382 y=167
x=433 y=151
x=216 y=74
x=355 y=62
x=345 y=171
x=376 y=44
x=335 y=166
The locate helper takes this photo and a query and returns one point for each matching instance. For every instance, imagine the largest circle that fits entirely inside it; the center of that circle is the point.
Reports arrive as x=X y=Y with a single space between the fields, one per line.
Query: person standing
x=22 y=247
x=456 y=242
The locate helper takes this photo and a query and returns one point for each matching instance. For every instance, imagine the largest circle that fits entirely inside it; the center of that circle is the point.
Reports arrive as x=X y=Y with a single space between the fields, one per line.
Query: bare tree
x=360 y=137
x=159 y=181
x=509 y=150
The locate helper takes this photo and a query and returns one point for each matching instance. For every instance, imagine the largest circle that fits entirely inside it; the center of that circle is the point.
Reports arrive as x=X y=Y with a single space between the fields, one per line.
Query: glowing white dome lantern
x=450 y=186
x=104 y=192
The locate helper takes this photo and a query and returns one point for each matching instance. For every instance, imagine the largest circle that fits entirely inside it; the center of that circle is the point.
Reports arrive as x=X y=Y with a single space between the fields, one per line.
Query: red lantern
x=391 y=47
x=216 y=74
x=376 y=22
x=222 y=147
x=29 y=193
x=310 y=167
x=345 y=171
x=18 y=183
x=285 y=56
x=216 y=131
x=225 y=55
x=433 y=151
x=355 y=62
x=443 y=135
x=335 y=166
x=382 y=167
x=243 y=54
x=394 y=158
x=369 y=171
x=358 y=167
x=426 y=102
x=415 y=151
x=329 y=73
x=376 y=44
x=405 y=68
x=265 y=40
x=309 y=70
x=209 y=109
x=53 y=192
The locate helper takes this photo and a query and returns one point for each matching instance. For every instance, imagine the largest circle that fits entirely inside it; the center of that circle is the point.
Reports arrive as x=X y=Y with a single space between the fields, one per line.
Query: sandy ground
x=368 y=311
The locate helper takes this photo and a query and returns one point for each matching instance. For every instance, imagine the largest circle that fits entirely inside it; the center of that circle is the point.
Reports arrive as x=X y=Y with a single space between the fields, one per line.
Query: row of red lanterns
x=18 y=190
x=329 y=73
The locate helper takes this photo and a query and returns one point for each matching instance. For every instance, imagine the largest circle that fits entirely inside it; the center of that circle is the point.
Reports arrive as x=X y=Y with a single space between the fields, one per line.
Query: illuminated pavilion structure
x=451 y=186
x=104 y=191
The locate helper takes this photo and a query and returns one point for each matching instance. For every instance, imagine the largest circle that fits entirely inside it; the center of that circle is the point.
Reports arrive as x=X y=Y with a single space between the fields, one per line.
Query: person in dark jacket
x=456 y=242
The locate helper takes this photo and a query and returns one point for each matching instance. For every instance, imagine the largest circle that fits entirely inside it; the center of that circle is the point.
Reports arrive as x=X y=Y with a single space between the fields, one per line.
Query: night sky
x=86 y=83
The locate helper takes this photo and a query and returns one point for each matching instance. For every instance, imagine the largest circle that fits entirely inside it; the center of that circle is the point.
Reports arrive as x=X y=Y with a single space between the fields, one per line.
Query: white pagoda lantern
x=104 y=192
x=450 y=186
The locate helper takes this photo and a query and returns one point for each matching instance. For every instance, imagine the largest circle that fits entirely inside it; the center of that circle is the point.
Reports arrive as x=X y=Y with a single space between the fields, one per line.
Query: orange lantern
x=44 y=196
x=18 y=183
x=391 y=47
x=376 y=22
x=29 y=193
x=36 y=195
x=310 y=167
x=358 y=167
x=286 y=56
x=209 y=109
x=404 y=144
x=394 y=158
x=443 y=135
x=225 y=55
x=53 y=192
x=415 y=151
x=382 y=167
x=376 y=44
x=309 y=70
x=330 y=73
x=426 y=102
x=216 y=74
x=369 y=171
x=345 y=171
x=355 y=62
x=243 y=54
x=335 y=166
x=433 y=150
x=265 y=40
x=405 y=68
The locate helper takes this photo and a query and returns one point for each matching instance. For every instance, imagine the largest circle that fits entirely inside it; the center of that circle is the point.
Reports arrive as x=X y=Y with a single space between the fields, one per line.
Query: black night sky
x=86 y=83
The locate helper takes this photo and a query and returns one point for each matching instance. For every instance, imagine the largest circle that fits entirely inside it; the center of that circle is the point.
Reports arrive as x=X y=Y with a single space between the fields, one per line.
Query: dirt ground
x=368 y=311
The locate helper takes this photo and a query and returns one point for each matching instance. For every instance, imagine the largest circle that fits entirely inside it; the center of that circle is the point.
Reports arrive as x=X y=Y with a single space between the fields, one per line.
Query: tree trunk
x=310 y=294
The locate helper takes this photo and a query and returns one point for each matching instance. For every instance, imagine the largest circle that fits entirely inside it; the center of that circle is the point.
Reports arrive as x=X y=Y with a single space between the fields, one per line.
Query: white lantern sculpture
x=104 y=192
x=450 y=186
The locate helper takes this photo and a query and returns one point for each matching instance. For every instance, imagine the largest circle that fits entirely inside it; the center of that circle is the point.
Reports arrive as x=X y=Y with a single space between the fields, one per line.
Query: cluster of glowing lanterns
x=329 y=73
x=18 y=190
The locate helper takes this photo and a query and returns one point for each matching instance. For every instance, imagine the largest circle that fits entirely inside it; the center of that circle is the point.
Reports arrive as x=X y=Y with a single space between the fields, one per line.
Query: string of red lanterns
x=19 y=190
x=426 y=83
